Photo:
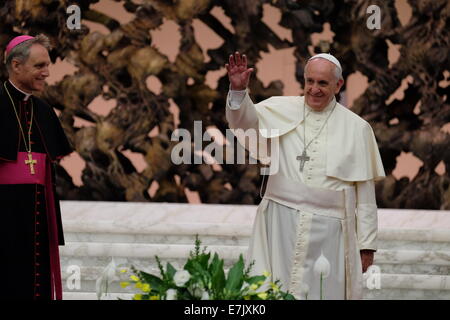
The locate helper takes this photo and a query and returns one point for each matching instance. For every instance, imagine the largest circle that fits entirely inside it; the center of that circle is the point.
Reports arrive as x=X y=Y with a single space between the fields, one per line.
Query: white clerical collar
x=27 y=95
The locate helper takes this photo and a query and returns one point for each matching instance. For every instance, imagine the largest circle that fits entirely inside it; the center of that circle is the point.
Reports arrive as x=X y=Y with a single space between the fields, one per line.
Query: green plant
x=203 y=277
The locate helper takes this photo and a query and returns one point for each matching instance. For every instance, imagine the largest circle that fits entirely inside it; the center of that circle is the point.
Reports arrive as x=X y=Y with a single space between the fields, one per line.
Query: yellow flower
x=274 y=287
x=123 y=271
x=260 y=283
x=146 y=287
x=124 y=284
x=134 y=278
x=139 y=285
x=247 y=297
x=137 y=297
x=266 y=274
x=262 y=295
x=154 y=297
x=253 y=287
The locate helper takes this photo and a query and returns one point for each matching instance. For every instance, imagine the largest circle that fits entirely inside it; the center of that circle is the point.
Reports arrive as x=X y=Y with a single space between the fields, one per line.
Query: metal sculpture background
x=117 y=65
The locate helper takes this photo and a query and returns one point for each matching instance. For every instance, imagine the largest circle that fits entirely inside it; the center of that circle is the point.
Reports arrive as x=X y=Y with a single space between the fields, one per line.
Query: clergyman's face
x=31 y=73
x=321 y=83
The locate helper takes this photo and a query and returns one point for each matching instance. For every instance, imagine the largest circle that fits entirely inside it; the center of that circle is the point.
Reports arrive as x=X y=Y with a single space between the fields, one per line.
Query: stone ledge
x=137 y=215
x=439 y=258
x=144 y=250
x=93 y=296
x=140 y=250
x=415 y=281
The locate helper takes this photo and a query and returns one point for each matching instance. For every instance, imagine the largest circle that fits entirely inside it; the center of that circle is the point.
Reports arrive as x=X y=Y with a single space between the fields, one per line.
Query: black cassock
x=25 y=251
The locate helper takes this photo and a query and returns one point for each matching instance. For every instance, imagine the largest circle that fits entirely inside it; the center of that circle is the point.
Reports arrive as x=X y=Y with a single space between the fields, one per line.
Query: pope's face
x=30 y=74
x=321 y=83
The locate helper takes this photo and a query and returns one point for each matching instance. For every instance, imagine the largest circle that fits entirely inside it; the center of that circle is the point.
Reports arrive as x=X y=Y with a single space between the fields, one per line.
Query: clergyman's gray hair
x=337 y=70
x=21 y=52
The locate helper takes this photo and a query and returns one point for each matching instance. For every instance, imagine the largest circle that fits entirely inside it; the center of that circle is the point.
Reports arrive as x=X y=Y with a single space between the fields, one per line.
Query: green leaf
x=288 y=296
x=200 y=260
x=189 y=265
x=155 y=283
x=215 y=261
x=170 y=271
x=217 y=275
x=203 y=259
x=198 y=269
x=255 y=279
x=235 y=276
x=184 y=294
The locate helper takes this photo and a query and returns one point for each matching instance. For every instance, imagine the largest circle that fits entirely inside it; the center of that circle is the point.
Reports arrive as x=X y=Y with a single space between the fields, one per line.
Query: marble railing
x=413 y=255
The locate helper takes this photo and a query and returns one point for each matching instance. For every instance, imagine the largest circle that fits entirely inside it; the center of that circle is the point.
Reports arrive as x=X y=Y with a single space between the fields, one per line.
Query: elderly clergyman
x=321 y=201
x=31 y=140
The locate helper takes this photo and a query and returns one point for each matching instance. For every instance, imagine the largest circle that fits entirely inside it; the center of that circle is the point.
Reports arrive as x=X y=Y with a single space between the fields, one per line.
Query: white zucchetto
x=328 y=57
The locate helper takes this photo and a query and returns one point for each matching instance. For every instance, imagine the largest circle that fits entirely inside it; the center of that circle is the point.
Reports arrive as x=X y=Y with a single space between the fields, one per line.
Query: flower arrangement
x=204 y=278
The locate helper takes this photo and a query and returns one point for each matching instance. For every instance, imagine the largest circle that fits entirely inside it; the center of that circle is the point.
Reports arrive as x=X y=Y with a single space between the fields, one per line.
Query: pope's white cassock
x=327 y=208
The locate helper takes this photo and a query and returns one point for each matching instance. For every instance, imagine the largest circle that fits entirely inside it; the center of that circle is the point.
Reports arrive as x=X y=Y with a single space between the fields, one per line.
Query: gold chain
x=28 y=149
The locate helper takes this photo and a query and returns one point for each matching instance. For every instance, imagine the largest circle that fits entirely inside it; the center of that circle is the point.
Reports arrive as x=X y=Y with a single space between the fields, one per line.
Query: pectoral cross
x=31 y=162
x=303 y=158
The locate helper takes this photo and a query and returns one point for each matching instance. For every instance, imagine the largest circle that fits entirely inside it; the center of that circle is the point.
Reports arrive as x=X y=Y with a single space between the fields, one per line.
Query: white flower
x=106 y=278
x=181 y=277
x=197 y=291
x=322 y=267
x=205 y=295
x=171 y=294
x=304 y=290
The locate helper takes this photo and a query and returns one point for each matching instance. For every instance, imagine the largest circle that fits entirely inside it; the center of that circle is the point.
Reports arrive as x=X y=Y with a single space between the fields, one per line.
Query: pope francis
x=319 y=206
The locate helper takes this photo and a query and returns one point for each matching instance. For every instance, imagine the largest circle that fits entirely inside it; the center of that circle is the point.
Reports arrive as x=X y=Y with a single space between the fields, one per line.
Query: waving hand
x=238 y=73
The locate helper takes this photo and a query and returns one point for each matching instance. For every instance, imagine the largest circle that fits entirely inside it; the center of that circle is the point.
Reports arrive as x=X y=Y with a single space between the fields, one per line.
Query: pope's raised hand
x=238 y=73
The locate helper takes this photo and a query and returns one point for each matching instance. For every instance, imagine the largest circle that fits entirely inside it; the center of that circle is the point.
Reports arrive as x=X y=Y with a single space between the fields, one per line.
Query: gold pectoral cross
x=31 y=162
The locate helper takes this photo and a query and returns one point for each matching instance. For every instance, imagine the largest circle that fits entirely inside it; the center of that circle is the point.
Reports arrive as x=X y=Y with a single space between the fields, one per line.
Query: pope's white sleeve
x=236 y=98
x=366 y=219
x=240 y=111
